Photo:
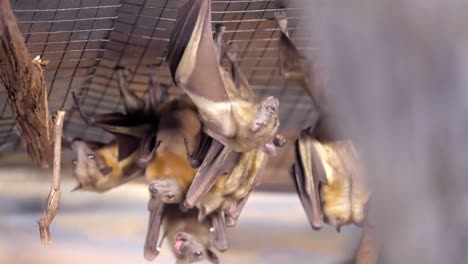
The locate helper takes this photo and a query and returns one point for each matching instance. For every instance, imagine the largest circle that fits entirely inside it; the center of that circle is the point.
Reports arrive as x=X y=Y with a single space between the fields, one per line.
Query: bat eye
x=170 y=196
x=74 y=162
x=271 y=109
x=197 y=254
x=91 y=156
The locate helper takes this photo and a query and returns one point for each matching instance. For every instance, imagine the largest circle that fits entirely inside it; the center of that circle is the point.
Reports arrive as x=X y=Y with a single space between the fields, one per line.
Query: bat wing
x=127 y=129
x=243 y=86
x=201 y=149
x=157 y=93
x=218 y=160
x=308 y=173
x=219 y=234
x=235 y=210
x=191 y=54
x=156 y=209
x=148 y=147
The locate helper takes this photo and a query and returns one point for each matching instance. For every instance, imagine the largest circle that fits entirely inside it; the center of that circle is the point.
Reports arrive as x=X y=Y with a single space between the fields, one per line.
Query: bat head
x=166 y=190
x=267 y=114
x=88 y=167
x=189 y=249
x=336 y=221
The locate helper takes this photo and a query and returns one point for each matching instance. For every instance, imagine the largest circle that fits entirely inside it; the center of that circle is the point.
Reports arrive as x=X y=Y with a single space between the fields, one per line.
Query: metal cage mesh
x=84 y=40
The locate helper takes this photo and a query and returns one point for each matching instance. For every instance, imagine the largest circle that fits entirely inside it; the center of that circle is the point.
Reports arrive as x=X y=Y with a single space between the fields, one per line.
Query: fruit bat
x=134 y=130
x=294 y=65
x=329 y=181
x=97 y=169
x=242 y=124
x=171 y=171
x=190 y=240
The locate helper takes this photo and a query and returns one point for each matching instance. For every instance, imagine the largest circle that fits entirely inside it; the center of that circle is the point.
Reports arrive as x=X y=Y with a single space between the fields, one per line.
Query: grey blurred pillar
x=398 y=73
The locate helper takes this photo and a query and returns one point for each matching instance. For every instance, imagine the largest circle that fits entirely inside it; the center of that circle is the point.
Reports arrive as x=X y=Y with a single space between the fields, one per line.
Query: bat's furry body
x=99 y=170
x=330 y=181
x=99 y=167
x=231 y=188
x=169 y=171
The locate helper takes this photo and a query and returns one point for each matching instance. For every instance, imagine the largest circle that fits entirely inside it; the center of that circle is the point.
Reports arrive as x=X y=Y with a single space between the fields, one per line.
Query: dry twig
x=53 y=200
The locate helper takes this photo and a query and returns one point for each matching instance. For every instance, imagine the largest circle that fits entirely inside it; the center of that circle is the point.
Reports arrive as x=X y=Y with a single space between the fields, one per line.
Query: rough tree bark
x=27 y=92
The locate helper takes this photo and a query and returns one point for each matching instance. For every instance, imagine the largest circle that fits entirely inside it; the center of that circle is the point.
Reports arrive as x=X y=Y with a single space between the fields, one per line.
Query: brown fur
x=88 y=165
x=176 y=222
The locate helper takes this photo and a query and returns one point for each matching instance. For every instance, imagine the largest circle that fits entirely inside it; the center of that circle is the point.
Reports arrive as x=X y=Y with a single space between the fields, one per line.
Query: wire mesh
x=84 y=40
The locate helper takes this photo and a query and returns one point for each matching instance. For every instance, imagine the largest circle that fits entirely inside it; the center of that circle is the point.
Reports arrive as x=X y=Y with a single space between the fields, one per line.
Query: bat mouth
x=179 y=244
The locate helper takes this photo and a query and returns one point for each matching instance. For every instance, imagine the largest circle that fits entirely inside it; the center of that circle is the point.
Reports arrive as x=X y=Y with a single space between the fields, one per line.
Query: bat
x=308 y=175
x=97 y=169
x=136 y=128
x=171 y=171
x=329 y=181
x=336 y=194
x=294 y=65
x=326 y=174
x=239 y=123
x=191 y=240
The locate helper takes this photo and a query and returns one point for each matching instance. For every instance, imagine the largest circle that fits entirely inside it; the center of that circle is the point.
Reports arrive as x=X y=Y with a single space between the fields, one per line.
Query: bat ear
x=77 y=187
x=106 y=170
x=212 y=257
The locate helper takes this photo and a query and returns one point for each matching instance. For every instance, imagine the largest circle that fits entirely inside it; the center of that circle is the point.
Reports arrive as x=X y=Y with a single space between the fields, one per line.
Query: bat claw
x=150 y=254
x=270 y=149
x=187 y=205
x=183 y=208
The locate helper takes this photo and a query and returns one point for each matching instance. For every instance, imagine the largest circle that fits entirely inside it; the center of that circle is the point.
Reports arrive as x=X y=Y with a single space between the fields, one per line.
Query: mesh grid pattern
x=84 y=40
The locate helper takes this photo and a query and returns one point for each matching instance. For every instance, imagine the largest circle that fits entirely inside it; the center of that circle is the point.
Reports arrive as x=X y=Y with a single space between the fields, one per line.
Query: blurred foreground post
x=398 y=77
x=27 y=92
x=53 y=199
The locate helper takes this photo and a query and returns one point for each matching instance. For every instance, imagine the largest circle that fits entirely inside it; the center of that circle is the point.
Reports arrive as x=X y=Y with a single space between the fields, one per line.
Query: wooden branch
x=23 y=80
x=53 y=200
x=368 y=251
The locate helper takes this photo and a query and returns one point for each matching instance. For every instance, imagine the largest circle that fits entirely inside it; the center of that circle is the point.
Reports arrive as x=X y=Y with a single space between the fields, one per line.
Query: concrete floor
x=110 y=228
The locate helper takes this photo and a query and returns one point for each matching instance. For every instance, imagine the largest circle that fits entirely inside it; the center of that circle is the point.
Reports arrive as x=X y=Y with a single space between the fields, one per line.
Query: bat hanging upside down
x=237 y=121
x=96 y=167
x=190 y=240
x=181 y=147
x=294 y=65
x=99 y=167
x=135 y=130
